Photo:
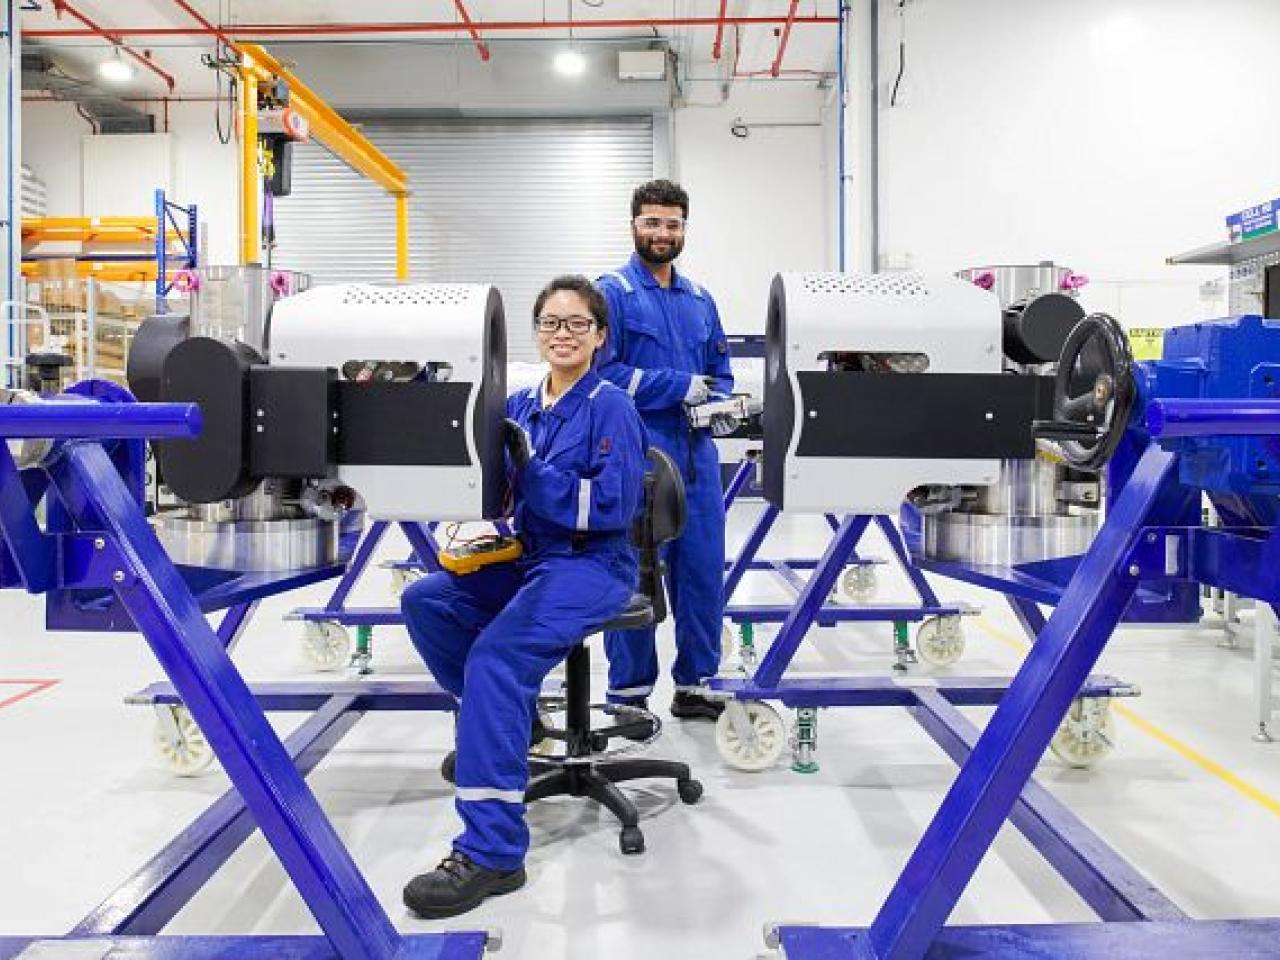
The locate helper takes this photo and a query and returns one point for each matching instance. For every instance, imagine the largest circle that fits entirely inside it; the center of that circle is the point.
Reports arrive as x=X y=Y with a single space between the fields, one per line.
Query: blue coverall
x=491 y=637
x=659 y=339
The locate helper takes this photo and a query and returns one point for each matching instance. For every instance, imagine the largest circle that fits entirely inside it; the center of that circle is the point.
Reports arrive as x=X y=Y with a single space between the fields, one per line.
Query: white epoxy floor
x=1186 y=796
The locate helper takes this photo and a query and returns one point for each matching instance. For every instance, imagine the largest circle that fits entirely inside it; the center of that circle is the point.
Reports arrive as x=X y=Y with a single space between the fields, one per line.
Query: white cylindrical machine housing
x=894 y=323
x=445 y=334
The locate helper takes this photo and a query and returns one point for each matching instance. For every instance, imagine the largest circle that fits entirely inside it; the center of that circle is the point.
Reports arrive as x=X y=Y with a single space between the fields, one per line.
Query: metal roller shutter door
x=511 y=202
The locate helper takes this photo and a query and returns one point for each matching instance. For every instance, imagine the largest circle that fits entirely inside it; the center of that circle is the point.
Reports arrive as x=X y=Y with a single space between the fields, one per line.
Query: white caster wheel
x=326 y=645
x=401 y=578
x=179 y=743
x=750 y=735
x=859 y=583
x=940 y=641
x=728 y=641
x=546 y=746
x=1087 y=733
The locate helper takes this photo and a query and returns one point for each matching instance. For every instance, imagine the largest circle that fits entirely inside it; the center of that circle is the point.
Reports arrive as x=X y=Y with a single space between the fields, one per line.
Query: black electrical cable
x=224 y=137
x=902 y=55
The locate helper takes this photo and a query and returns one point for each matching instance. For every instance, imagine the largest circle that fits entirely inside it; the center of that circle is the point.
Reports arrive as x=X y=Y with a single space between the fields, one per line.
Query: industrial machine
x=250 y=414
x=266 y=488
x=1023 y=535
x=1204 y=421
x=307 y=430
x=1039 y=507
x=880 y=389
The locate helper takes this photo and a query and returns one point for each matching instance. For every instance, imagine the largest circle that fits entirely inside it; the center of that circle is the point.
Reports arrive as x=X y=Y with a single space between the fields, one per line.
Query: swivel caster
x=690 y=790
x=449 y=766
x=631 y=840
x=361 y=662
x=741 y=642
x=1087 y=733
x=325 y=645
x=750 y=735
x=859 y=582
x=401 y=578
x=179 y=743
x=728 y=641
x=940 y=640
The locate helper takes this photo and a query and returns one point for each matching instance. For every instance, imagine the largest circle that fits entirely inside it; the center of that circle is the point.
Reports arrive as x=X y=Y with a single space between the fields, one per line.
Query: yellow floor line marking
x=1214 y=769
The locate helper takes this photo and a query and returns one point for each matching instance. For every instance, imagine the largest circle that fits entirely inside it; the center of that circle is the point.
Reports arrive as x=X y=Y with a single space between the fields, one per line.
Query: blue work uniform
x=490 y=637
x=659 y=339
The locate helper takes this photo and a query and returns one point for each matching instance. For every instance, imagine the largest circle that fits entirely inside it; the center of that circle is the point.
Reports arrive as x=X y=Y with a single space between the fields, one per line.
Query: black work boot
x=459 y=884
x=638 y=730
x=694 y=705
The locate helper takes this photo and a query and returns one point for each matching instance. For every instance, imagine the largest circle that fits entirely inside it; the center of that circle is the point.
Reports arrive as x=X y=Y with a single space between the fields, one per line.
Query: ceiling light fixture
x=114 y=68
x=570 y=63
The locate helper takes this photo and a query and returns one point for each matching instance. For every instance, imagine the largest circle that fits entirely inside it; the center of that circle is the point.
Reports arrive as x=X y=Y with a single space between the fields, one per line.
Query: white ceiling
x=811 y=47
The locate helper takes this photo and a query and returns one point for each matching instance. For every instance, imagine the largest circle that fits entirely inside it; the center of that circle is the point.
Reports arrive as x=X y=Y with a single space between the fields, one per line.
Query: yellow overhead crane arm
x=328 y=129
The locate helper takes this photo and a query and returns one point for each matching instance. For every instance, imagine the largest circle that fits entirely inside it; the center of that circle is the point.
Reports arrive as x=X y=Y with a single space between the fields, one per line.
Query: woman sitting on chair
x=576 y=462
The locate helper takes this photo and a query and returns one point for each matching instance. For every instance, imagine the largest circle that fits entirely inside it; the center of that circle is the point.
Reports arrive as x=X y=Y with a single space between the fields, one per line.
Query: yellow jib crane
x=328 y=129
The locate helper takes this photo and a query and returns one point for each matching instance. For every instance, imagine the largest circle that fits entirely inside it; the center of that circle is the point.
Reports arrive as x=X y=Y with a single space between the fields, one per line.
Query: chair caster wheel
x=631 y=840
x=449 y=766
x=690 y=790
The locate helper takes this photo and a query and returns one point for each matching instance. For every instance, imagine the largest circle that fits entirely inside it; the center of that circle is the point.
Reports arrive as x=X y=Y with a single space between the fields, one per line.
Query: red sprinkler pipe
x=719 y=44
x=475 y=34
x=267 y=30
x=61 y=7
x=199 y=18
x=786 y=35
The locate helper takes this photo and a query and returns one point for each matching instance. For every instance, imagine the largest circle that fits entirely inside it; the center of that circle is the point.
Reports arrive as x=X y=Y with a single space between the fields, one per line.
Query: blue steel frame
x=107 y=543
x=1137 y=542
x=168 y=213
x=422 y=556
x=810 y=606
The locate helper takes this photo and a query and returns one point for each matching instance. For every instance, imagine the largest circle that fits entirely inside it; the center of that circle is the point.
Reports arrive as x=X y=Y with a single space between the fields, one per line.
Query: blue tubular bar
x=164 y=610
x=746 y=556
x=86 y=420
x=1236 y=417
x=154 y=895
x=811 y=600
x=1102 y=878
x=740 y=477
x=1002 y=761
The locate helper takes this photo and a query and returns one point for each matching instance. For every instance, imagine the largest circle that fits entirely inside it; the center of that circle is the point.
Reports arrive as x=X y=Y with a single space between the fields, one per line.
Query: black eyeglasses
x=576 y=324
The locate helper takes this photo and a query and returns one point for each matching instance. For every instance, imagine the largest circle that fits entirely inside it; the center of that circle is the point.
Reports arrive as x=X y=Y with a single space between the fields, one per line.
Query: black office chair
x=586 y=768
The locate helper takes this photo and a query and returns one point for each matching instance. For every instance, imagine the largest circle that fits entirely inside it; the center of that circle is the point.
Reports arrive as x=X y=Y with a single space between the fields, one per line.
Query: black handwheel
x=1093 y=393
x=631 y=840
x=690 y=790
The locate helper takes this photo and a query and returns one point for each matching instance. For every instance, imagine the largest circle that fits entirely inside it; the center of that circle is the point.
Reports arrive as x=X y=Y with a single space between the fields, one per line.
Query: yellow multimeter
x=471 y=556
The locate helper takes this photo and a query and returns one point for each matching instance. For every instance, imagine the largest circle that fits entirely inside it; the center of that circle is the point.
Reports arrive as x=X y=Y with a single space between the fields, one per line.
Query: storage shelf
x=1225 y=253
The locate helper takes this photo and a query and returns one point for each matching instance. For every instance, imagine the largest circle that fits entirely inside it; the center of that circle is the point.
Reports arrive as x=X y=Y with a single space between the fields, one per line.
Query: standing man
x=667 y=349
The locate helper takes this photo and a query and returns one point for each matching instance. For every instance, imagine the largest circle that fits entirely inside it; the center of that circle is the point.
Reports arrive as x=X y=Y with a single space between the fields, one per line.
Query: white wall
x=1104 y=134
x=205 y=172
x=759 y=205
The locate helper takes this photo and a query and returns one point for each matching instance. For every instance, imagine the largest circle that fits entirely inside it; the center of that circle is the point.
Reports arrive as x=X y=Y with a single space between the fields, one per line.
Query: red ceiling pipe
x=475 y=34
x=199 y=18
x=786 y=35
x=61 y=7
x=247 y=31
x=719 y=44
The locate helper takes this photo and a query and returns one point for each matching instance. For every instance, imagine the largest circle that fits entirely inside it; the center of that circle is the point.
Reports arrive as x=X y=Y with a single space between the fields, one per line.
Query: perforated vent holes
x=424 y=295
x=866 y=284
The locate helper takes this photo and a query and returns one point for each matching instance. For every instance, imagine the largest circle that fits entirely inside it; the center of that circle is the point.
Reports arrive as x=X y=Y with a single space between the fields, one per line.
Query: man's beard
x=644 y=247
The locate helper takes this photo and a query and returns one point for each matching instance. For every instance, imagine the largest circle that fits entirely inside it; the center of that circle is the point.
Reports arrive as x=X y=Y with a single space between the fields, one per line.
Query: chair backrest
x=661 y=519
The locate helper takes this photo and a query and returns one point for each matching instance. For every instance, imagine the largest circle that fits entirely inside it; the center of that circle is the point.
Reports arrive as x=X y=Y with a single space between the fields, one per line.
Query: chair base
x=598 y=780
